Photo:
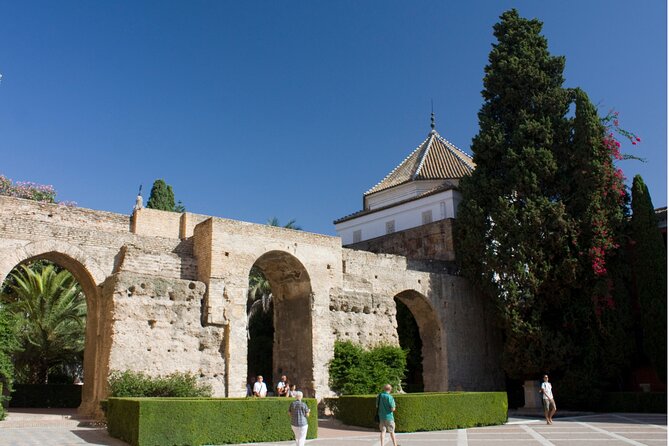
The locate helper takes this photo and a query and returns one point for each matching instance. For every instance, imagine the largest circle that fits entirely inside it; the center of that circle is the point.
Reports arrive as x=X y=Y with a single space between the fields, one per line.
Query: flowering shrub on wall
x=30 y=191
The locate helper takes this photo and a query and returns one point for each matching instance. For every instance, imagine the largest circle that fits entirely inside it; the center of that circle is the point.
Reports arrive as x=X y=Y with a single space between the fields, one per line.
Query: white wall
x=407 y=215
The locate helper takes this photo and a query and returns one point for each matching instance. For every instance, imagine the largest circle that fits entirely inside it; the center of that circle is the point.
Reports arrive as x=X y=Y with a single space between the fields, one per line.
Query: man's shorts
x=387 y=425
x=548 y=404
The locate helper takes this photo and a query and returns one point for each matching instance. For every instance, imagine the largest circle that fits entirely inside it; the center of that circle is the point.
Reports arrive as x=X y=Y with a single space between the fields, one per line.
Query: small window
x=357 y=236
x=390 y=227
x=427 y=217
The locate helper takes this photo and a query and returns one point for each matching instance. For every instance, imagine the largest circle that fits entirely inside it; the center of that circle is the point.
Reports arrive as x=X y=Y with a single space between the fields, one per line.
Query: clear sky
x=290 y=109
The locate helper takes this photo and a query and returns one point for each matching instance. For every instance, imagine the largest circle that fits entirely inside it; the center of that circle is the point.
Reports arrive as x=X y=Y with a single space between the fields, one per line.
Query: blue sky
x=290 y=109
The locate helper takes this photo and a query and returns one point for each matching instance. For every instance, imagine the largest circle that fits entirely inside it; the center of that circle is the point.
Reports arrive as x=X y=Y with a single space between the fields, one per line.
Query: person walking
x=299 y=412
x=385 y=407
x=549 y=402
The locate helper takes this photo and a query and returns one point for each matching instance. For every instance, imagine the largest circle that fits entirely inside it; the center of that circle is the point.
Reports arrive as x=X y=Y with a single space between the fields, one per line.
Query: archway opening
x=260 y=313
x=44 y=299
x=419 y=331
x=409 y=337
x=288 y=308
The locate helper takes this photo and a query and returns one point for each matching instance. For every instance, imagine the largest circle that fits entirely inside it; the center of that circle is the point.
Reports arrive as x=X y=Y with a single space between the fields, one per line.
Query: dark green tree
x=542 y=219
x=162 y=198
x=512 y=234
x=650 y=273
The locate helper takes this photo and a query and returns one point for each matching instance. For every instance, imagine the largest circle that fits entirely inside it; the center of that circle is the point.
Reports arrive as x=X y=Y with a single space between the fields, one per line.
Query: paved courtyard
x=60 y=428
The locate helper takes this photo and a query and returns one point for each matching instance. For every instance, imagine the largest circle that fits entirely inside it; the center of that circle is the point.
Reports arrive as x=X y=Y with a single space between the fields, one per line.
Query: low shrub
x=356 y=371
x=427 y=411
x=191 y=421
x=46 y=395
x=137 y=384
x=645 y=402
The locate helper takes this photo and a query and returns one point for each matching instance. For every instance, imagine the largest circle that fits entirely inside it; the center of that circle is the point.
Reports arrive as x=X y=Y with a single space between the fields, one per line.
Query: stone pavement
x=62 y=428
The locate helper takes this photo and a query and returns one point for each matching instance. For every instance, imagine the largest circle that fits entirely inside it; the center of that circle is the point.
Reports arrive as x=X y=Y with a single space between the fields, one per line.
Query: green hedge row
x=646 y=402
x=2 y=408
x=46 y=395
x=198 y=421
x=426 y=411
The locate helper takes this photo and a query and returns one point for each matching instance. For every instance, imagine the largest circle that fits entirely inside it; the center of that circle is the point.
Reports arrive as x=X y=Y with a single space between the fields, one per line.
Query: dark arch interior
x=417 y=318
x=290 y=315
x=409 y=336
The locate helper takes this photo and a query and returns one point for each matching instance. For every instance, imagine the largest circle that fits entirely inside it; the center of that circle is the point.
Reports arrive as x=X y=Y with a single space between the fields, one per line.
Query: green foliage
x=427 y=411
x=2 y=408
x=203 y=421
x=138 y=384
x=162 y=198
x=292 y=224
x=638 y=402
x=650 y=271
x=8 y=345
x=46 y=395
x=355 y=371
x=49 y=312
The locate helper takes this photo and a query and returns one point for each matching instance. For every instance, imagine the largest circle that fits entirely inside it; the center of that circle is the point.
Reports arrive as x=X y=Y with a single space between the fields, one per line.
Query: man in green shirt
x=385 y=405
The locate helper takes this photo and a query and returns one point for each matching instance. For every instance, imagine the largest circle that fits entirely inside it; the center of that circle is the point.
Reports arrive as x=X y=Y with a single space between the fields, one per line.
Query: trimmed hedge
x=46 y=395
x=198 y=421
x=2 y=408
x=426 y=411
x=646 y=402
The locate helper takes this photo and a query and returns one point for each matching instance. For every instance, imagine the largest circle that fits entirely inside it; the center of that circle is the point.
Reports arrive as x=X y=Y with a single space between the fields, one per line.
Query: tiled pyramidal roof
x=434 y=159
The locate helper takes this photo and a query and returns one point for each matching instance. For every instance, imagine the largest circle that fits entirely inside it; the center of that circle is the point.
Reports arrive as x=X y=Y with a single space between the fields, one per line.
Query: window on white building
x=357 y=235
x=390 y=227
x=427 y=217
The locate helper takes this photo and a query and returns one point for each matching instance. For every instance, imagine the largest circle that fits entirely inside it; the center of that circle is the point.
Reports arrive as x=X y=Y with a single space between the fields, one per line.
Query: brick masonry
x=167 y=292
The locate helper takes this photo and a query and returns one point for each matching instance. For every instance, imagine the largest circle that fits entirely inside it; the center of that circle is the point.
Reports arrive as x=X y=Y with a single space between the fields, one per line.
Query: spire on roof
x=432 y=124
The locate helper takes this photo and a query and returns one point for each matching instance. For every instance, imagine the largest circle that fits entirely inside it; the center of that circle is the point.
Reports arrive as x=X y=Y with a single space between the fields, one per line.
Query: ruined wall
x=167 y=292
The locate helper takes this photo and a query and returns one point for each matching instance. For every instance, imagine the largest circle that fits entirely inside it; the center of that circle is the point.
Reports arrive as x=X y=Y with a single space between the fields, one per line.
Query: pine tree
x=650 y=272
x=512 y=235
x=162 y=198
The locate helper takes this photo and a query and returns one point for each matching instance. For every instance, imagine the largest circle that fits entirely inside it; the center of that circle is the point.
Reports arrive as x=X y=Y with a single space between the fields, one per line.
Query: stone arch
x=90 y=276
x=434 y=372
x=293 y=302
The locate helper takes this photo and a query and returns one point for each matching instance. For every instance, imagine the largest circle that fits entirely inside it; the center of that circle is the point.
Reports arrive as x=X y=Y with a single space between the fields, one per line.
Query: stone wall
x=167 y=292
x=433 y=242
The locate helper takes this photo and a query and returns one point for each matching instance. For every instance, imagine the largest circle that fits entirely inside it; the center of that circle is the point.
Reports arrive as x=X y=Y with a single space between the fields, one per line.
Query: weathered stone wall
x=433 y=241
x=167 y=292
x=157 y=329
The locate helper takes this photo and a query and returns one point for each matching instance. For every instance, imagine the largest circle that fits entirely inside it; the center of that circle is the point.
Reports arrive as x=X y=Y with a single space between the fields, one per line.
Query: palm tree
x=292 y=224
x=50 y=311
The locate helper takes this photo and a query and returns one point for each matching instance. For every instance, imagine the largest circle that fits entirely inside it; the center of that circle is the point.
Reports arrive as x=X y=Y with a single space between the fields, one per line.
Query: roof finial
x=432 y=124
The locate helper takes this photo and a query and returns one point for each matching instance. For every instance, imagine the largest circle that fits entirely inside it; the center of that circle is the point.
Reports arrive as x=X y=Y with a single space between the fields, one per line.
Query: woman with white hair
x=299 y=412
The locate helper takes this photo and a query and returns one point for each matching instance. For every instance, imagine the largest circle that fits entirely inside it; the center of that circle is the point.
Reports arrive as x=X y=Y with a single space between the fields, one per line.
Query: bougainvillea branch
x=30 y=191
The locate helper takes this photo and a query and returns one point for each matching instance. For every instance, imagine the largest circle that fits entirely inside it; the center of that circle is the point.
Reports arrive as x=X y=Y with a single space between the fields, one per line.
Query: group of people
x=283 y=388
x=385 y=407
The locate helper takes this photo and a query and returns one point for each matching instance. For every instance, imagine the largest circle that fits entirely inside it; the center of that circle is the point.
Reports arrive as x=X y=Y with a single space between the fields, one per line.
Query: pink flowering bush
x=612 y=191
x=30 y=191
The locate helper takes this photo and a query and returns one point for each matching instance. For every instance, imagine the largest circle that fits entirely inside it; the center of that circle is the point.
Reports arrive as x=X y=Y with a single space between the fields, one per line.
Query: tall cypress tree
x=162 y=196
x=650 y=272
x=512 y=235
